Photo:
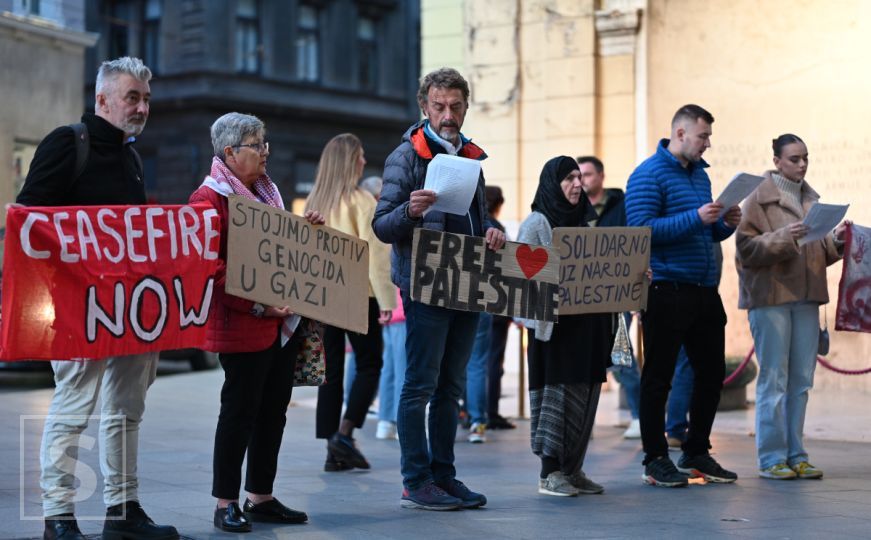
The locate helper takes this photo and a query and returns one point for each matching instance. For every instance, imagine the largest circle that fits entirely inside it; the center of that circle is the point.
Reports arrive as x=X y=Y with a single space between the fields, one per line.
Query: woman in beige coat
x=782 y=284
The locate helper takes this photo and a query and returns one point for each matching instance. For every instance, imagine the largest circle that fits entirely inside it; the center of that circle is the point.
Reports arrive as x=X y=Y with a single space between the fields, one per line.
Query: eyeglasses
x=260 y=148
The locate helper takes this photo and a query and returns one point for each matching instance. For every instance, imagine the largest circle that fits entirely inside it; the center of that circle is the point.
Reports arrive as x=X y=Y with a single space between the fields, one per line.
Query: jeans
x=785 y=337
x=476 y=371
x=393 y=372
x=438 y=344
x=681 y=314
x=123 y=382
x=678 y=407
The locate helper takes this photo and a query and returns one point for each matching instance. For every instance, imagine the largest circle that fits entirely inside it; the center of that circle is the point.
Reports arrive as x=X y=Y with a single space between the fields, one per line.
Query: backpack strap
x=83 y=146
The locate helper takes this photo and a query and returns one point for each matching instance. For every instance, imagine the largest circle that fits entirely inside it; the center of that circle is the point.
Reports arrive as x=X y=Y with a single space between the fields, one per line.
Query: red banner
x=93 y=282
x=854 y=292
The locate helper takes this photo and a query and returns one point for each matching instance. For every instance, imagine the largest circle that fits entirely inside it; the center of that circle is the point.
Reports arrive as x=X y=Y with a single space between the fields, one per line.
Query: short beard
x=132 y=129
x=450 y=137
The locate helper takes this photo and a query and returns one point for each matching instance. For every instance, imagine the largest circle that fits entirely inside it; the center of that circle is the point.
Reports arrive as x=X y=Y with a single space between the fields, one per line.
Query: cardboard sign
x=279 y=259
x=93 y=282
x=602 y=269
x=459 y=272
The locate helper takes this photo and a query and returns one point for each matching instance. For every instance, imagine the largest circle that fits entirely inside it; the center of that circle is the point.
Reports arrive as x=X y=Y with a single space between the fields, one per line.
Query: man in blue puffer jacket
x=438 y=341
x=670 y=192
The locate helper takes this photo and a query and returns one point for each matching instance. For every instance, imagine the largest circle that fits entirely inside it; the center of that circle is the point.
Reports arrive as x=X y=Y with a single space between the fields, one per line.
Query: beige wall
x=554 y=77
x=762 y=69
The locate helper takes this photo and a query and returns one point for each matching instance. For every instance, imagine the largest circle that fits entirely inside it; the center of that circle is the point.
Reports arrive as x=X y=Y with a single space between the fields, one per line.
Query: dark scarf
x=550 y=199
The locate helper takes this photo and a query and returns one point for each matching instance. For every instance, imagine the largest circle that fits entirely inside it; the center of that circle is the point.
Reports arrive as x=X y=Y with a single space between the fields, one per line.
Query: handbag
x=311 y=366
x=621 y=352
x=823 y=342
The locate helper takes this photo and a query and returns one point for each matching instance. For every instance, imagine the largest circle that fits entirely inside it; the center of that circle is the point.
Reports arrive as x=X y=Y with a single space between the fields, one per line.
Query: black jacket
x=111 y=175
x=614 y=213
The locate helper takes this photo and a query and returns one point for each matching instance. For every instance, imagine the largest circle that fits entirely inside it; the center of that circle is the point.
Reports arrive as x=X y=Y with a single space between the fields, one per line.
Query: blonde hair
x=337 y=175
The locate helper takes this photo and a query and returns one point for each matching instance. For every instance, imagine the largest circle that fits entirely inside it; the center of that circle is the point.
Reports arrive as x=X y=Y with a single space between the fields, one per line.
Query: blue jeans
x=678 y=408
x=785 y=337
x=393 y=371
x=437 y=345
x=476 y=371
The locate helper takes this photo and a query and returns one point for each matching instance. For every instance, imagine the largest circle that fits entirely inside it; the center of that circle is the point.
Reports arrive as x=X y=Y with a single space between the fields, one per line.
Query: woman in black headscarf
x=567 y=360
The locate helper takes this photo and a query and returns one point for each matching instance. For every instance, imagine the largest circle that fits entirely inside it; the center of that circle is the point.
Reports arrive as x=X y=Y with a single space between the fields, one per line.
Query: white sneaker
x=477 y=433
x=633 y=431
x=385 y=430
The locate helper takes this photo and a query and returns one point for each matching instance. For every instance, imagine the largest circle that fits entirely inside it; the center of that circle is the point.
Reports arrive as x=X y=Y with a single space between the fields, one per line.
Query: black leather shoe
x=334 y=465
x=273 y=512
x=343 y=449
x=62 y=527
x=128 y=521
x=231 y=519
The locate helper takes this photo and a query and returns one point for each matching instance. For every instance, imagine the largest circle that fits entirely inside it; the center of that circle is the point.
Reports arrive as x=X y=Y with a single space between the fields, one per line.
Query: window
x=118 y=32
x=247 y=37
x=307 y=38
x=367 y=51
x=152 y=10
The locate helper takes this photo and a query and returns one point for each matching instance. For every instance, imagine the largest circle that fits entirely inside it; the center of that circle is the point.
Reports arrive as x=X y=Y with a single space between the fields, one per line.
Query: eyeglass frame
x=260 y=148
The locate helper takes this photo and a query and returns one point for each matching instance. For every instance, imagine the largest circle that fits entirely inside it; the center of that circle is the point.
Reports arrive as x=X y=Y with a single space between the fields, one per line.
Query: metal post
x=521 y=390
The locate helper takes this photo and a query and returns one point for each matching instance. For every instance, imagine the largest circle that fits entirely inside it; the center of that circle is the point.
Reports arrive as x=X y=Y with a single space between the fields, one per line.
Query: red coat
x=231 y=327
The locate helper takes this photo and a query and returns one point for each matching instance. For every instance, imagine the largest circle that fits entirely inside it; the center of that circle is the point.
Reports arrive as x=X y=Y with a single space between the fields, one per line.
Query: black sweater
x=111 y=175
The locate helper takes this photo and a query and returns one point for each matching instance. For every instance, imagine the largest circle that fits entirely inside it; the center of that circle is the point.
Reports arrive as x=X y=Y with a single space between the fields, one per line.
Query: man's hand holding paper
x=453 y=180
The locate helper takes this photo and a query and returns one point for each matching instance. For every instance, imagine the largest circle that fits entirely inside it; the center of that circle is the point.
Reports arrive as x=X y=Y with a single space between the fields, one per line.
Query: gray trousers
x=123 y=382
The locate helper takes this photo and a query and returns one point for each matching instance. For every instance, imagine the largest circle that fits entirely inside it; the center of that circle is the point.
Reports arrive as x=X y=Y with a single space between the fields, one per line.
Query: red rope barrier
x=823 y=362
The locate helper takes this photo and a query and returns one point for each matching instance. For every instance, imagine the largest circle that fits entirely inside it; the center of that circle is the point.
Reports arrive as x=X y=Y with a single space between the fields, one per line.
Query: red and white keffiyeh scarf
x=265 y=189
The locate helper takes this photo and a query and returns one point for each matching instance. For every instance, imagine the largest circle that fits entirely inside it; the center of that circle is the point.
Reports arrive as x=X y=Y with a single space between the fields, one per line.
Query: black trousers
x=367 y=351
x=693 y=316
x=495 y=363
x=254 y=399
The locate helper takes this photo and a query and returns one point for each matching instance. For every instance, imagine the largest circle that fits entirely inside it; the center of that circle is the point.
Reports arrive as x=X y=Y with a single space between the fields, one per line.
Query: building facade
x=604 y=77
x=310 y=69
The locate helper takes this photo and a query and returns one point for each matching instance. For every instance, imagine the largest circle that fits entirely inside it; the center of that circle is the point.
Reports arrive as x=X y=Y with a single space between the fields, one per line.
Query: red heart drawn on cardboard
x=531 y=261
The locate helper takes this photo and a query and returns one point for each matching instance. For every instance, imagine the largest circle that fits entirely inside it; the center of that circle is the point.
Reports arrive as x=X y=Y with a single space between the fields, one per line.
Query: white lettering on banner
x=148 y=284
x=96 y=313
x=139 y=240
x=192 y=317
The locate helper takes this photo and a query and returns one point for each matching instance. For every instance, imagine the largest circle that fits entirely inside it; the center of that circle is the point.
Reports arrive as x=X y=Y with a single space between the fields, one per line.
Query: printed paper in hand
x=738 y=189
x=822 y=218
x=454 y=179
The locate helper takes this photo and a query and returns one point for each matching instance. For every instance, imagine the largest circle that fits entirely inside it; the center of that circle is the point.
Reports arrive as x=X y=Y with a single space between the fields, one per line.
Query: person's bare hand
x=314 y=217
x=495 y=238
x=797 y=230
x=733 y=216
x=841 y=230
x=277 y=312
x=385 y=316
x=710 y=212
x=419 y=201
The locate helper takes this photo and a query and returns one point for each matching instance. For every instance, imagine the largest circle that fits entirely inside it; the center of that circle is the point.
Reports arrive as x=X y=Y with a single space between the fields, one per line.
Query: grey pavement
x=175 y=479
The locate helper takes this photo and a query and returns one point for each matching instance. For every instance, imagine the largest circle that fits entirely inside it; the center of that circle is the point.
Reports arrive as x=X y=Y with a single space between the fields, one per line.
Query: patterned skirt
x=562 y=422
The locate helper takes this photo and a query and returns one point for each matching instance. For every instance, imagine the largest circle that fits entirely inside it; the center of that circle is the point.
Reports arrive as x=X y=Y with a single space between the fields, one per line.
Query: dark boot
x=135 y=524
x=62 y=527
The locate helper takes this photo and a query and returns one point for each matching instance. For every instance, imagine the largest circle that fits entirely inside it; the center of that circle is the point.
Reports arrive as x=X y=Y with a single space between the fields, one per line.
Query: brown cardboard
x=279 y=259
x=459 y=272
x=602 y=270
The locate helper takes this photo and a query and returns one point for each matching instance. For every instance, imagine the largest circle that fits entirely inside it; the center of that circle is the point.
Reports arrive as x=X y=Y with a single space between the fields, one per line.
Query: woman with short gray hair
x=257 y=344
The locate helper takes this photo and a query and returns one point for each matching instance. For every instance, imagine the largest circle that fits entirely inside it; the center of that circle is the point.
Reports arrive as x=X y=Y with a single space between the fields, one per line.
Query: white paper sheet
x=822 y=218
x=454 y=179
x=741 y=185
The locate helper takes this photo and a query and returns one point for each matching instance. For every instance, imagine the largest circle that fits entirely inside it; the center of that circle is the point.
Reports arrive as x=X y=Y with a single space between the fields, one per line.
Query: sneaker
x=343 y=449
x=780 y=471
x=429 y=497
x=705 y=466
x=584 y=484
x=457 y=489
x=661 y=472
x=633 y=431
x=477 y=434
x=500 y=422
x=558 y=485
x=334 y=465
x=803 y=469
x=385 y=430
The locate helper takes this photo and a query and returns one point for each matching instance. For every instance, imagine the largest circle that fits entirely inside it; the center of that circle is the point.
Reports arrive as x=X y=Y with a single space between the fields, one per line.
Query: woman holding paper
x=350 y=210
x=258 y=366
x=782 y=284
x=567 y=360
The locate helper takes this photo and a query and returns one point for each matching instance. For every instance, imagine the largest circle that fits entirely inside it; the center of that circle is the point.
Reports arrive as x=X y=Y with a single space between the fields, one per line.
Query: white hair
x=126 y=65
x=232 y=128
x=372 y=184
